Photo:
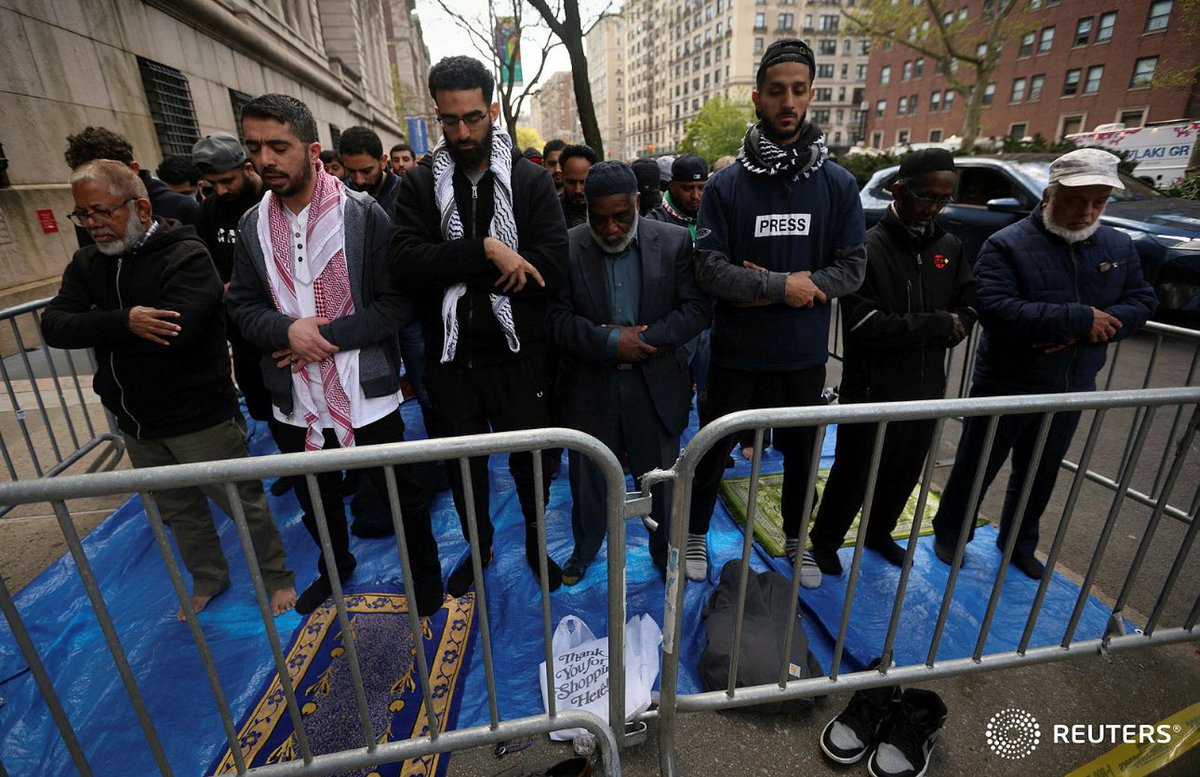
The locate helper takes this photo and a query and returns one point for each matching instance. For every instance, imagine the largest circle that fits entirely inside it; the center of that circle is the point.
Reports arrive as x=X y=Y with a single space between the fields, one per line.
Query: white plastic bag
x=581 y=669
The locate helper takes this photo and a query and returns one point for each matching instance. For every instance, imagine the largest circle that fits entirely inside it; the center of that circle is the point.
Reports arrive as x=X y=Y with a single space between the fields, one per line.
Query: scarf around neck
x=330 y=279
x=503 y=228
x=763 y=156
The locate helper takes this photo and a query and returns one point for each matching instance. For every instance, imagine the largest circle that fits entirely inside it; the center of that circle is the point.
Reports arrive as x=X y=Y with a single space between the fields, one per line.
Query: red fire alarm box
x=46 y=220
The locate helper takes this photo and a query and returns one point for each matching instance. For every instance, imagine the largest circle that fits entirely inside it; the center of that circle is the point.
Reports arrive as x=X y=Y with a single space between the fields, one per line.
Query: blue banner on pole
x=418 y=136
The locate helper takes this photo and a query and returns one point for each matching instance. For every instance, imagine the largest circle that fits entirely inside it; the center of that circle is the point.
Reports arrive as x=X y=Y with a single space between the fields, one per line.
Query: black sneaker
x=852 y=734
x=904 y=750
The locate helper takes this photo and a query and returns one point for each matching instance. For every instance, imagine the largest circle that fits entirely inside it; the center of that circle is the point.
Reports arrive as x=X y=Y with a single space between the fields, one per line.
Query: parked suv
x=995 y=191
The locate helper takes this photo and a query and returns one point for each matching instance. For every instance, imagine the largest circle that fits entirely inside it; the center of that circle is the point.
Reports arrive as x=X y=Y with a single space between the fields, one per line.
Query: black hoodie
x=153 y=390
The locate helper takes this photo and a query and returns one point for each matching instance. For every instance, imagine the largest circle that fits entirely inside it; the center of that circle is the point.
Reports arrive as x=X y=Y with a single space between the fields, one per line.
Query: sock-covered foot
x=552 y=568
x=889 y=549
x=463 y=576
x=810 y=572
x=696 y=559
x=315 y=595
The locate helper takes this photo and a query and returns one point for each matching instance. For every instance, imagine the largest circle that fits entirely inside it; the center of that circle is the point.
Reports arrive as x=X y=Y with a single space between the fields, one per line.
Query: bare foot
x=283 y=600
x=198 y=604
x=748 y=453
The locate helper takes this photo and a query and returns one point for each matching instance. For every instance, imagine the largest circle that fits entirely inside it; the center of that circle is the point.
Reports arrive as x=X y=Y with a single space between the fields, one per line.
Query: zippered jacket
x=1035 y=290
x=898 y=325
x=154 y=391
x=427 y=264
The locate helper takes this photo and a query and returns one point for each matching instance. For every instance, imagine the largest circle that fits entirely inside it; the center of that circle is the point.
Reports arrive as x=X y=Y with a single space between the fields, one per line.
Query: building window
x=829 y=23
x=825 y=71
x=1160 y=14
x=846 y=47
x=821 y=117
x=860 y=72
x=989 y=93
x=760 y=21
x=864 y=46
x=885 y=74
x=1046 y=40
x=1143 y=72
x=827 y=46
x=823 y=95
x=1133 y=118
x=1092 y=84
x=1104 y=30
x=1026 y=45
x=880 y=108
x=170 y=101
x=1018 y=90
x=918 y=67
x=913 y=100
x=948 y=100
x=1071 y=125
x=906 y=73
x=1036 y=84
x=902 y=136
x=335 y=135
x=1071 y=84
x=935 y=102
x=902 y=106
x=876 y=139
x=758 y=45
x=1083 y=31
x=237 y=101
x=788 y=20
x=1018 y=131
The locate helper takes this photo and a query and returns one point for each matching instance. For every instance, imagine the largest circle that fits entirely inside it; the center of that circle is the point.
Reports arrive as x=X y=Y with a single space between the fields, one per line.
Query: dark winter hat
x=785 y=50
x=533 y=155
x=607 y=178
x=218 y=152
x=646 y=171
x=689 y=168
x=927 y=160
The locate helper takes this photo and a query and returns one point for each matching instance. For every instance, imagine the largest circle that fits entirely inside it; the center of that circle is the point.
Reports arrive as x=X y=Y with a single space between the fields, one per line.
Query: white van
x=1161 y=151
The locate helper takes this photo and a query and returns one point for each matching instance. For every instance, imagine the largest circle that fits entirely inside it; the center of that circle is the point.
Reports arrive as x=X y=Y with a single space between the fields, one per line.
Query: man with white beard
x=146 y=296
x=1052 y=290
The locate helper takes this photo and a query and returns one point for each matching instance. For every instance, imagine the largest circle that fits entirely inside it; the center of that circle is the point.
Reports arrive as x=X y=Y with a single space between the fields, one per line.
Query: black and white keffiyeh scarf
x=503 y=228
x=763 y=156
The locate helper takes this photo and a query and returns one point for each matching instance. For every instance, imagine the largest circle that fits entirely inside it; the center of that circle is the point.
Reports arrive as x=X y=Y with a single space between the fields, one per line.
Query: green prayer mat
x=768 y=518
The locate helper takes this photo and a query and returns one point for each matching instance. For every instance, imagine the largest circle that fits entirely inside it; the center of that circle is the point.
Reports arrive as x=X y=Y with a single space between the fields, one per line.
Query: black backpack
x=763 y=632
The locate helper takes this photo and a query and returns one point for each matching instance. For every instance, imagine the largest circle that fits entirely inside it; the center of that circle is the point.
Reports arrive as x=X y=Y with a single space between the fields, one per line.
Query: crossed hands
x=630 y=347
x=512 y=266
x=305 y=345
x=800 y=291
x=1104 y=328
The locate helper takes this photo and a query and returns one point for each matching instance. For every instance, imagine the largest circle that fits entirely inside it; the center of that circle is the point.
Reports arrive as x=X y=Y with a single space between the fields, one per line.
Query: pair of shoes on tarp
x=897 y=728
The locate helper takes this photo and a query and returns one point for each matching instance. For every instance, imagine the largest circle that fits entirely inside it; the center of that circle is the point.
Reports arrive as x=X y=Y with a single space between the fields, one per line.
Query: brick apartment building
x=1075 y=65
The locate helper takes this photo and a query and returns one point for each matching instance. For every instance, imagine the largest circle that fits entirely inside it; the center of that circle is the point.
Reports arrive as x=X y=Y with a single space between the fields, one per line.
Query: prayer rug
x=320 y=673
x=768 y=518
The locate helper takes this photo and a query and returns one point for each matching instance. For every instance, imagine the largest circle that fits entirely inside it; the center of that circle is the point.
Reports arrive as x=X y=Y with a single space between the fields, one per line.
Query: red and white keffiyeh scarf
x=325 y=241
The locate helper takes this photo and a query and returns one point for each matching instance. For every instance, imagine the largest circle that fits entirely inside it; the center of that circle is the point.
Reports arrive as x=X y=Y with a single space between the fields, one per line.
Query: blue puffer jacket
x=1035 y=290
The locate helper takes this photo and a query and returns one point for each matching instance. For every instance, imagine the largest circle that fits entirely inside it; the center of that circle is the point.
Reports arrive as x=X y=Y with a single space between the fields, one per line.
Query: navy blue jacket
x=1034 y=289
x=814 y=224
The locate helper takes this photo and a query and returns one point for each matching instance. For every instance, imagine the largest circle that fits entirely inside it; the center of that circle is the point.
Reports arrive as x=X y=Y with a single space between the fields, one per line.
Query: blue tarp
x=142 y=603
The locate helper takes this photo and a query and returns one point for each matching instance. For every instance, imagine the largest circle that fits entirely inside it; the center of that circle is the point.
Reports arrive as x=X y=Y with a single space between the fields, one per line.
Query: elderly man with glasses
x=916 y=301
x=147 y=297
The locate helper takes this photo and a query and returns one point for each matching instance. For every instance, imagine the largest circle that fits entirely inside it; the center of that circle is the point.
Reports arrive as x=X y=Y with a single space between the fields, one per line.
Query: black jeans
x=422 y=547
x=730 y=390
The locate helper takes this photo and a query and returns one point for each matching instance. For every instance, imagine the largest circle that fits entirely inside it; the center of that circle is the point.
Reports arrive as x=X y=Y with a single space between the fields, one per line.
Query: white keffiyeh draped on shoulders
x=503 y=228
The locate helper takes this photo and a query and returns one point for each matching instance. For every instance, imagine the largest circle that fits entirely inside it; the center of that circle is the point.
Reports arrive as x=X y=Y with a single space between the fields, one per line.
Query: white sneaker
x=696 y=560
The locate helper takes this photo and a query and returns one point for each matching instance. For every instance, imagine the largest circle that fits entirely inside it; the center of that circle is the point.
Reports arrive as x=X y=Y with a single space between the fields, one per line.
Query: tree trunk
x=583 y=97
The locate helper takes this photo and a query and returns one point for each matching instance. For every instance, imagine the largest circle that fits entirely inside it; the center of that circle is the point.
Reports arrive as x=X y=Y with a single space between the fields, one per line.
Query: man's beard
x=472 y=158
x=1069 y=235
x=774 y=133
x=297 y=184
x=135 y=230
x=622 y=244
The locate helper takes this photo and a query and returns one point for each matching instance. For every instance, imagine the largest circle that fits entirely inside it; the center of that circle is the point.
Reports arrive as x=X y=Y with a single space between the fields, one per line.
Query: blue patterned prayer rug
x=321 y=676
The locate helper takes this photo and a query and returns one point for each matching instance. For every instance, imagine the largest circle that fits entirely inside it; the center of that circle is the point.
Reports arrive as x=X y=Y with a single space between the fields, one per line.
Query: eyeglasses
x=473 y=120
x=101 y=215
x=933 y=202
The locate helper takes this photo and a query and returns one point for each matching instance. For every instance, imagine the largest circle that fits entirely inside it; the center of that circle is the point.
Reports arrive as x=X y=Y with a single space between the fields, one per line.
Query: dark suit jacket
x=672 y=307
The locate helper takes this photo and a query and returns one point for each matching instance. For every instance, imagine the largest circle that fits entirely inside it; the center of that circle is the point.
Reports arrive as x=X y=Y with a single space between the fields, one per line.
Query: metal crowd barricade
x=73 y=425
x=224 y=474
x=1145 y=403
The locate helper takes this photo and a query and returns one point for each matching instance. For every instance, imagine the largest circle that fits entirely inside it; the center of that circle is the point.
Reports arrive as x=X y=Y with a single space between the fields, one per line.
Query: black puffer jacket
x=898 y=325
x=154 y=390
x=427 y=264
